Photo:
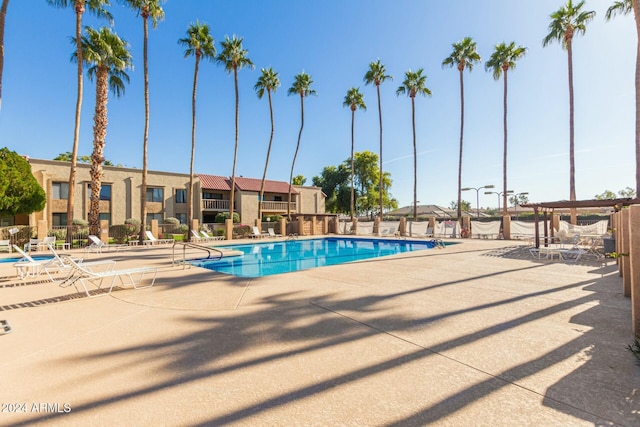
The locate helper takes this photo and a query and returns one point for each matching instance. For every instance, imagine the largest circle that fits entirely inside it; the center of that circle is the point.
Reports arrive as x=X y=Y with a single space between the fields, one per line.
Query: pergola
x=548 y=208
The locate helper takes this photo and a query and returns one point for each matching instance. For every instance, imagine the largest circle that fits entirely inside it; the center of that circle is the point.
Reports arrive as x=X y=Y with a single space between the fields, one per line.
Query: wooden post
x=228 y=228
x=506 y=227
x=634 y=261
x=625 y=264
x=402 y=228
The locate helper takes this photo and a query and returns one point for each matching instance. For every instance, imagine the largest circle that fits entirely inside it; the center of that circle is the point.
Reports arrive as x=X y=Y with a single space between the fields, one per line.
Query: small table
x=63 y=245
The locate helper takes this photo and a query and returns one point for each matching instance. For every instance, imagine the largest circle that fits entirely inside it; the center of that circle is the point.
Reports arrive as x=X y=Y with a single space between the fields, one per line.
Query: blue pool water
x=264 y=259
x=35 y=258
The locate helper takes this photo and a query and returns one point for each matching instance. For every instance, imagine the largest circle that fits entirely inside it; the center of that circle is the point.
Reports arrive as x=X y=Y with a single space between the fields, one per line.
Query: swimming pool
x=265 y=259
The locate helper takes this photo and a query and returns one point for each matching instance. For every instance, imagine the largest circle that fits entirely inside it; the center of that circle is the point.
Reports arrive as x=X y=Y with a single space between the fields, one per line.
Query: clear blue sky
x=334 y=41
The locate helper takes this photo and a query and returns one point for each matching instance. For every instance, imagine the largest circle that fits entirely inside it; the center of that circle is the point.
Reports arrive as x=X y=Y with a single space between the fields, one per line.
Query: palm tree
x=97 y=7
x=464 y=55
x=107 y=56
x=565 y=22
x=234 y=57
x=376 y=75
x=414 y=84
x=198 y=43
x=354 y=100
x=301 y=86
x=267 y=82
x=3 y=15
x=147 y=9
x=625 y=7
x=502 y=59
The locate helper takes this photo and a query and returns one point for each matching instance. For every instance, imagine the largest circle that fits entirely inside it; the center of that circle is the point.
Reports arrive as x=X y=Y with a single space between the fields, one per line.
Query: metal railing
x=197 y=247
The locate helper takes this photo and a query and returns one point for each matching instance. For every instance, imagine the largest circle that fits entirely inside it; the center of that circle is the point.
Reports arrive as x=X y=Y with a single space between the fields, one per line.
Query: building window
x=59 y=219
x=155 y=195
x=212 y=196
x=181 y=196
x=157 y=216
x=105 y=192
x=105 y=216
x=182 y=217
x=60 y=190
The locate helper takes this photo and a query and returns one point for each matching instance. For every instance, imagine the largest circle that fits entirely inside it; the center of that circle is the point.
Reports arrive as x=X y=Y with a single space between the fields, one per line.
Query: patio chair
x=58 y=264
x=155 y=241
x=26 y=266
x=32 y=245
x=196 y=236
x=211 y=237
x=272 y=233
x=128 y=277
x=98 y=245
x=5 y=245
x=257 y=234
x=44 y=243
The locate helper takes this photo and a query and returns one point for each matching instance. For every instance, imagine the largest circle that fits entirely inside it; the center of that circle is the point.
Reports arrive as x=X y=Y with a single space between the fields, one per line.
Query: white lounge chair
x=44 y=243
x=58 y=264
x=26 y=266
x=5 y=245
x=155 y=241
x=98 y=245
x=211 y=237
x=196 y=236
x=130 y=276
x=257 y=234
x=272 y=233
x=32 y=245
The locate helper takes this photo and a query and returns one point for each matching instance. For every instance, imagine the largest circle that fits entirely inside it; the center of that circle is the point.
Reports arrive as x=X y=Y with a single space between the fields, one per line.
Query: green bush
x=223 y=216
x=271 y=218
x=120 y=233
x=241 y=231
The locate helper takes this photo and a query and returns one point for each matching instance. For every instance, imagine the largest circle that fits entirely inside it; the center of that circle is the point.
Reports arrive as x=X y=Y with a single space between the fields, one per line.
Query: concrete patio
x=476 y=334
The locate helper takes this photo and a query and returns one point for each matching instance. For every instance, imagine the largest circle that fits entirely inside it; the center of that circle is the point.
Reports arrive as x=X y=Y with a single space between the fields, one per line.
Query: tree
x=464 y=55
x=464 y=206
x=301 y=86
x=625 y=7
x=606 y=195
x=147 y=9
x=333 y=181
x=299 y=180
x=354 y=100
x=97 y=7
x=414 y=84
x=627 y=192
x=234 y=57
x=565 y=23
x=503 y=59
x=107 y=56
x=267 y=82
x=198 y=43
x=376 y=75
x=518 y=199
x=3 y=15
x=20 y=193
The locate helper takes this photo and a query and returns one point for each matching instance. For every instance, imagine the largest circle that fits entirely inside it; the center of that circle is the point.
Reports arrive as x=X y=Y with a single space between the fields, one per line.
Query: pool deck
x=479 y=333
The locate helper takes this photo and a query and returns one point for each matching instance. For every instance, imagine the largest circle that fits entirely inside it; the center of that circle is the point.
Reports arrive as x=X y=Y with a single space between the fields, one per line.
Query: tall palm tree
x=301 y=86
x=376 y=75
x=107 y=56
x=198 y=43
x=267 y=82
x=234 y=57
x=97 y=7
x=414 y=84
x=354 y=100
x=147 y=9
x=625 y=7
x=464 y=55
x=502 y=59
x=567 y=21
x=3 y=15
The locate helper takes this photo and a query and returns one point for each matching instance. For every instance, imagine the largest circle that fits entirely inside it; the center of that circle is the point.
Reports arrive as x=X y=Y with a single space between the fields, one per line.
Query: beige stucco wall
x=310 y=200
x=125 y=190
x=247 y=206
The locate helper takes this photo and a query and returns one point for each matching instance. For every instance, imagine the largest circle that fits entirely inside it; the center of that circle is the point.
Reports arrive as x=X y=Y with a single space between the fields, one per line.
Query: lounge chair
x=155 y=241
x=130 y=276
x=26 y=266
x=58 y=264
x=196 y=236
x=5 y=245
x=44 y=243
x=272 y=233
x=257 y=234
x=98 y=245
x=32 y=245
x=211 y=237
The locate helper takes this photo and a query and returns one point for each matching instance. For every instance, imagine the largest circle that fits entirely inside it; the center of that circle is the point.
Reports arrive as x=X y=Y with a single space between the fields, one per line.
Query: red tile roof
x=252 y=184
x=214 y=182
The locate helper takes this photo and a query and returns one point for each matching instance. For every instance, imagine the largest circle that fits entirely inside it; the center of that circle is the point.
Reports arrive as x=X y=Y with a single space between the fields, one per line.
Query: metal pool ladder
x=218 y=254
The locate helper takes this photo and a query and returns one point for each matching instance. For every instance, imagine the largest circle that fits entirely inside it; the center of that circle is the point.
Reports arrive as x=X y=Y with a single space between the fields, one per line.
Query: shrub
x=271 y=218
x=120 y=233
x=242 y=230
x=80 y=222
x=132 y=221
x=223 y=216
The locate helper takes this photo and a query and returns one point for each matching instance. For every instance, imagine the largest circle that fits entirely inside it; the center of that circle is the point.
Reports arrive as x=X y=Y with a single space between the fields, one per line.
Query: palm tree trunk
x=79 y=6
x=266 y=164
x=572 y=167
x=193 y=146
x=352 y=200
x=143 y=187
x=97 y=158
x=235 y=151
x=504 y=159
x=3 y=15
x=636 y=13
x=415 y=160
x=293 y=164
x=461 y=136
x=380 y=121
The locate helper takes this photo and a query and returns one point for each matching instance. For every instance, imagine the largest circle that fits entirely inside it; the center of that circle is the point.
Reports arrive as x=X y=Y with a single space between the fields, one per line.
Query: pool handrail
x=186 y=245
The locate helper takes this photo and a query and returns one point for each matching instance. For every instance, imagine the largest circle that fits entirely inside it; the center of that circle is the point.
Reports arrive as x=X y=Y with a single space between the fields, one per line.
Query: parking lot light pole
x=478 y=195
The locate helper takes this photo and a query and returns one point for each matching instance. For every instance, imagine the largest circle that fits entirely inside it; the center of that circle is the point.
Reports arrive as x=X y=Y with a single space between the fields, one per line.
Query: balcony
x=215 y=205
x=277 y=207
